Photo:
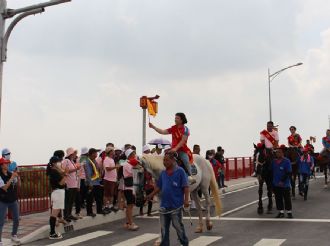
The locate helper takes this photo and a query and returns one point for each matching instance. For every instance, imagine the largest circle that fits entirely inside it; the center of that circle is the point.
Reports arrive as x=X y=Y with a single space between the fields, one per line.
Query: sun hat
x=128 y=152
x=70 y=151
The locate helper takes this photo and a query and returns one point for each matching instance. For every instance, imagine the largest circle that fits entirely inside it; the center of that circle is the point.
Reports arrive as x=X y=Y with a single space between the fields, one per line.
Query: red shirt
x=177 y=133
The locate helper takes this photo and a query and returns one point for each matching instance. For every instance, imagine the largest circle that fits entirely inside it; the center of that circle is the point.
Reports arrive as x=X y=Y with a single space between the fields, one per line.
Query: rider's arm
x=181 y=143
x=160 y=131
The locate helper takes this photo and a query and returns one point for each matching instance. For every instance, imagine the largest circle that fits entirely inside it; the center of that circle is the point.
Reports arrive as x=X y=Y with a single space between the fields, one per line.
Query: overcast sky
x=75 y=73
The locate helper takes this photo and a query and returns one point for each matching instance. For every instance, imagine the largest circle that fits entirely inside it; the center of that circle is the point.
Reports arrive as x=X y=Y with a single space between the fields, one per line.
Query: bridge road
x=310 y=226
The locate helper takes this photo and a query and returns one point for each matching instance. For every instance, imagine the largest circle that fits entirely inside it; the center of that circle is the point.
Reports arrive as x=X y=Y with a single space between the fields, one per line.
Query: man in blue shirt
x=173 y=185
x=281 y=169
x=305 y=167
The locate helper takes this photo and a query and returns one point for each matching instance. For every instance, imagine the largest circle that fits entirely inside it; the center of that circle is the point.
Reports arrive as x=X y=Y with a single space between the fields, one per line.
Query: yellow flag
x=151 y=109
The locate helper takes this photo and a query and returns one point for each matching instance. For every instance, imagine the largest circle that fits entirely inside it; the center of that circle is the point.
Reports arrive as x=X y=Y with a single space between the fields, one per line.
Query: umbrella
x=161 y=141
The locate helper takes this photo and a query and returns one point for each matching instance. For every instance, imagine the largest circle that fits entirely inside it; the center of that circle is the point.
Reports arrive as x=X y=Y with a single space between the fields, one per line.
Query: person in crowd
x=281 y=170
x=180 y=134
x=93 y=182
x=305 y=167
x=109 y=145
x=174 y=187
x=215 y=164
x=219 y=156
x=77 y=201
x=8 y=199
x=146 y=150
x=128 y=166
x=148 y=188
x=309 y=146
x=82 y=176
x=6 y=154
x=133 y=148
x=59 y=154
x=159 y=149
x=71 y=181
x=109 y=180
x=196 y=149
x=294 y=140
x=57 y=182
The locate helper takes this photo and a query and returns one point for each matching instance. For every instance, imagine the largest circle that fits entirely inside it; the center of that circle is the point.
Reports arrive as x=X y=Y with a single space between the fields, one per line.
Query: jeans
x=166 y=217
x=304 y=183
x=185 y=159
x=13 y=206
x=221 y=180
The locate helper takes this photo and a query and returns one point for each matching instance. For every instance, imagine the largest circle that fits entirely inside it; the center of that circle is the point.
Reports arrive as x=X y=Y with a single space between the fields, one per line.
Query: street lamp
x=5 y=34
x=270 y=79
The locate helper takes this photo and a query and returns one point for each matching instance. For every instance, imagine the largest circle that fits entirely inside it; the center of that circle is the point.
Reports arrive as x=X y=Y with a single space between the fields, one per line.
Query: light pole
x=5 y=34
x=270 y=79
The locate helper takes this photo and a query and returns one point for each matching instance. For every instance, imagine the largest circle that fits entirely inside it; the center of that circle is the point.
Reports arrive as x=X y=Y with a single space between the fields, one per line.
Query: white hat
x=84 y=150
x=145 y=148
x=70 y=151
x=128 y=152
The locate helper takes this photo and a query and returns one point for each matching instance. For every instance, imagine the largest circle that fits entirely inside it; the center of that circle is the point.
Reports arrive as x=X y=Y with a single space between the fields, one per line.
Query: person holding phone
x=8 y=199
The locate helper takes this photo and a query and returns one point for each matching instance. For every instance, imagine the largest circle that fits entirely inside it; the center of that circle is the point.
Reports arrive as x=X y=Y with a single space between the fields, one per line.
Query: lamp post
x=271 y=77
x=5 y=14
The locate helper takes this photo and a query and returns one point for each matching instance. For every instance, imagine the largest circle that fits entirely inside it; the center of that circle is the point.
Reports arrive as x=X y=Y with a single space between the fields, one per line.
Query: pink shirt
x=109 y=175
x=128 y=172
x=268 y=144
x=71 y=179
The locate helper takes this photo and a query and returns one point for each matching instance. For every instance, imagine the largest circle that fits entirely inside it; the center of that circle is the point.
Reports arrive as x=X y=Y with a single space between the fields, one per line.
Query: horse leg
x=269 y=194
x=260 y=192
x=325 y=171
x=293 y=185
x=209 y=224
x=195 y=198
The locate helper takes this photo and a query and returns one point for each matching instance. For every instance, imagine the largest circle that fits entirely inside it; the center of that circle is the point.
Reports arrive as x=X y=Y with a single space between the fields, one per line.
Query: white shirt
x=268 y=144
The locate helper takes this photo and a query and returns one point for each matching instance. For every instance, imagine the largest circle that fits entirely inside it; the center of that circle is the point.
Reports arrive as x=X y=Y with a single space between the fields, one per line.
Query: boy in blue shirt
x=281 y=170
x=305 y=166
x=173 y=185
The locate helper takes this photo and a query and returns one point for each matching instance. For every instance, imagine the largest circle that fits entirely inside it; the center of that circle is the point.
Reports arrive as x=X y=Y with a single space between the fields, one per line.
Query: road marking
x=238 y=190
x=138 y=240
x=203 y=240
x=80 y=239
x=270 y=242
x=241 y=207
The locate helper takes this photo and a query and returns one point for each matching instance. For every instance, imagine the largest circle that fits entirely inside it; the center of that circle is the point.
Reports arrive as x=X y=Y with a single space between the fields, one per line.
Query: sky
x=75 y=73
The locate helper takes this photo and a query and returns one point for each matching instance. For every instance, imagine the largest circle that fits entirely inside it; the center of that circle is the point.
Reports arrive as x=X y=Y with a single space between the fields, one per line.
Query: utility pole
x=21 y=13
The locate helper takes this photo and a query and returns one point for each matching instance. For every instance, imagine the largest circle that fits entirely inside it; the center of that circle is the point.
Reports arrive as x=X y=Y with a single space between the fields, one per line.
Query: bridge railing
x=238 y=167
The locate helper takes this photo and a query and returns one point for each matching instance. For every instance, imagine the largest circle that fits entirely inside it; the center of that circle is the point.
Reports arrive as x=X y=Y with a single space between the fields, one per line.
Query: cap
x=128 y=152
x=145 y=148
x=4 y=161
x=70 y=151
x=93 y=150
x=109 y=148
x=84 y=150
x=5 y=151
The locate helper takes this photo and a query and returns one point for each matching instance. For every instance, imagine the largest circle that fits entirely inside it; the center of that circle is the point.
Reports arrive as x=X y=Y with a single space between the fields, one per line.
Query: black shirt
x=55 y=178
x=10 y=195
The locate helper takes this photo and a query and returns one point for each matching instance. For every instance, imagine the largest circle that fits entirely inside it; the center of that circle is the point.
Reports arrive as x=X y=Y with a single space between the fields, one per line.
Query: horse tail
x=215 y=191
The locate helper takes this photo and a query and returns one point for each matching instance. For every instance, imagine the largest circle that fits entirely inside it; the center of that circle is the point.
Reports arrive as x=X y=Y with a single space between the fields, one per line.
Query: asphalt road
x=310 y=226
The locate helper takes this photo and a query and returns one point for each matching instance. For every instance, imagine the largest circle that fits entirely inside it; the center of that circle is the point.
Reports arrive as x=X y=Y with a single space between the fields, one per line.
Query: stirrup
x=191 y=180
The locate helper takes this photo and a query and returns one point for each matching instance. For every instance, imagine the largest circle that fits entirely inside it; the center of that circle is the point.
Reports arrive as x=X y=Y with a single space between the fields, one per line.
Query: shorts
x=129 y=196
x=57 y=199
x=109 y=188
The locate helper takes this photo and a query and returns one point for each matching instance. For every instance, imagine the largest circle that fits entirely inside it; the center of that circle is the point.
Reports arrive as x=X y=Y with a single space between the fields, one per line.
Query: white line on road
x=204 y=240
x=80 y=239
x=270 y=242
x=138 y=240
x=241 y=207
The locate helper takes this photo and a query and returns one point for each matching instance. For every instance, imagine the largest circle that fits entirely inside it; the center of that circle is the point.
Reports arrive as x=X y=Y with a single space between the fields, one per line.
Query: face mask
x=7 y=157
x=210 y=157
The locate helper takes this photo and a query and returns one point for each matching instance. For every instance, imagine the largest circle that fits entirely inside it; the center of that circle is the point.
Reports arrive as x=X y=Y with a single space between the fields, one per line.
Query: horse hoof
x=199 y=230
x=260 y=210
x=209 y=227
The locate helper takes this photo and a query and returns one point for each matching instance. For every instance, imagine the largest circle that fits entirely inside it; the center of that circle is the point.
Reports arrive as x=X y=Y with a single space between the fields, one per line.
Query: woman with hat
x=8 y=199
x=71 y=181
x=128 y=188
x=305 y=166
x=57 y=182
x=281 y=170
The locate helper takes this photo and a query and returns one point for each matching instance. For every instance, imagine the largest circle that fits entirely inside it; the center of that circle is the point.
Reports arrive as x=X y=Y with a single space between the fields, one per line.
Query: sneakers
x=15 y=240
x=132 y=227
x=191 y=180
x=289 y=215
x=79 y=216
x=280 y=215
x=55 y=236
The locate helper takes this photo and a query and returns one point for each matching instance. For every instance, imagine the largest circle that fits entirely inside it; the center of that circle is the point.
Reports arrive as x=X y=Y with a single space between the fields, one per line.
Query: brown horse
x=293 y=155
x=322 y=160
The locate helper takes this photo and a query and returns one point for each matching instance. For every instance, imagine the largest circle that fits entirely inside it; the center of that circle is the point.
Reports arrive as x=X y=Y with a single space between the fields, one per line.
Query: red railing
x=238 y=167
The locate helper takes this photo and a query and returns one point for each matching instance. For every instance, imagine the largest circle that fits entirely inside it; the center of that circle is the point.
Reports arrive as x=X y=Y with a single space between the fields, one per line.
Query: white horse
x=205 y=179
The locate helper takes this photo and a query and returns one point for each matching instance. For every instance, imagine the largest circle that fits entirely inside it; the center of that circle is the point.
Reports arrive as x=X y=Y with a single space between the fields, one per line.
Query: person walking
x=8 y=199
x=71 y=180
x=57 y=182
x=174 y=187
x=305 y=167
x=281 y=169
x=148 y=188
x=215 y=164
